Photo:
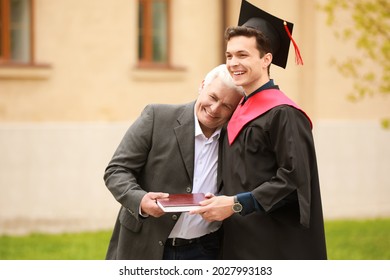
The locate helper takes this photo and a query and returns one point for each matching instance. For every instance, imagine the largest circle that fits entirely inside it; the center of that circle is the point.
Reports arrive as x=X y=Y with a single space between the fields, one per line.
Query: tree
x=369 y=29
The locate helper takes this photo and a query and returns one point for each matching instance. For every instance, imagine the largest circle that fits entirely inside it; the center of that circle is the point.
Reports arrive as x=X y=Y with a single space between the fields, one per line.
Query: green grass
x=68 y=246
x=346 y=240
x=358 y=240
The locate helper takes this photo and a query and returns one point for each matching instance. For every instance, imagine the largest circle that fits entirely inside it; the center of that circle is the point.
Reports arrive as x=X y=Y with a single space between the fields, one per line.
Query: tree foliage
x=369 y=29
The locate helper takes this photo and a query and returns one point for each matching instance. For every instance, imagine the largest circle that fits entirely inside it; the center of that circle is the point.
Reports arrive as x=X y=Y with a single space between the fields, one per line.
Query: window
x=153 y=33
x=16 y=32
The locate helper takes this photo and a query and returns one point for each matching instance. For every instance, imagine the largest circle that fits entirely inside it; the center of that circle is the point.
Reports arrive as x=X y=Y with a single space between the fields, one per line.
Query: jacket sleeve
x=128 y=161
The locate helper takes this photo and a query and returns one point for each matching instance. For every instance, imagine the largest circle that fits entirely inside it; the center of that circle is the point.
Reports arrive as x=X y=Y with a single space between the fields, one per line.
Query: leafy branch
x=369 y=30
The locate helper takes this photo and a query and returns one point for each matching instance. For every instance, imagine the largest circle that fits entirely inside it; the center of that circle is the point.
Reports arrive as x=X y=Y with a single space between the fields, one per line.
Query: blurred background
x=75 y=74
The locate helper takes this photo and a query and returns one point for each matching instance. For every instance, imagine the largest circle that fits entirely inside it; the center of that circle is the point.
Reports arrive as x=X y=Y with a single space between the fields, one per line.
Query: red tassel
x=298 y=57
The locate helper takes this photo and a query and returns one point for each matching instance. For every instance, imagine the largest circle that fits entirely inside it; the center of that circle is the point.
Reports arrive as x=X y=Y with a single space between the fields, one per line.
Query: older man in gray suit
x=170 y=149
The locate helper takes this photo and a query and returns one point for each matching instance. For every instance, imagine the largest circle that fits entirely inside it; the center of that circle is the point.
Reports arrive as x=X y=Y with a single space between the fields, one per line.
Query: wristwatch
x=237 y=207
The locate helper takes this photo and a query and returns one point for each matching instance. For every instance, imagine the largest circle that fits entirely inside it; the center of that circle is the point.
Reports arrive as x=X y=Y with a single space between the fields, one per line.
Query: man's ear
x=201 y=86
x=267 y=59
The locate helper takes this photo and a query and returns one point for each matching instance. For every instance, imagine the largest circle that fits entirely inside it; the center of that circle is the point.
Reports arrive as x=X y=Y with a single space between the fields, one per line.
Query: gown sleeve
x=289 y=138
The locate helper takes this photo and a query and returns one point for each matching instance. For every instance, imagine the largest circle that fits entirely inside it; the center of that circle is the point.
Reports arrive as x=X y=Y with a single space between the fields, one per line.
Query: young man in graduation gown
x=270 y=202
x=170 y=149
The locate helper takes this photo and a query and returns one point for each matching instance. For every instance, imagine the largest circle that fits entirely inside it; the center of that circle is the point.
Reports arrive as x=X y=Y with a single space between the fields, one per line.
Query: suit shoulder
x=168 y=106
x=164 y=109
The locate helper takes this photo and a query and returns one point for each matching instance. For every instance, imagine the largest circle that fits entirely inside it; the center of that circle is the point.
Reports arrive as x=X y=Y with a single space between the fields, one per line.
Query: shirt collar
x=267 y=85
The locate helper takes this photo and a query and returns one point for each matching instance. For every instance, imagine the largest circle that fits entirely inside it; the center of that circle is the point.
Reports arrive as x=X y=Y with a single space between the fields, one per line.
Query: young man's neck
x=252 y=87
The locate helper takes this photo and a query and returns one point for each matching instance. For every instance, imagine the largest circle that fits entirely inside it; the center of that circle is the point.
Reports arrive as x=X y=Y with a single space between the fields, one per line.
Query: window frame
x=147 y=61
x=5 y=58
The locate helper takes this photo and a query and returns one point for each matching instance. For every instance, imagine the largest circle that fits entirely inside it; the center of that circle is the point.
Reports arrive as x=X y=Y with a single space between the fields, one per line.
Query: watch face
x=237 y=207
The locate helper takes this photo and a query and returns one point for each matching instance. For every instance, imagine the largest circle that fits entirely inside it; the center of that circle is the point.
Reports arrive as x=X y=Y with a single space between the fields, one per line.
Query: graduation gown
x=273 y=157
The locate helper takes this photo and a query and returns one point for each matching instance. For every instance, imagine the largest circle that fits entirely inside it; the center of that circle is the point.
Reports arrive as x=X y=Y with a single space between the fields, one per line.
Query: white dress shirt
x=204 y=181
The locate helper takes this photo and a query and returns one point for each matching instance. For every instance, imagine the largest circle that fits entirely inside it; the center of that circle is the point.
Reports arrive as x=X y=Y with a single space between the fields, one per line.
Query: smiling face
x=245 y=65
x=215 y=105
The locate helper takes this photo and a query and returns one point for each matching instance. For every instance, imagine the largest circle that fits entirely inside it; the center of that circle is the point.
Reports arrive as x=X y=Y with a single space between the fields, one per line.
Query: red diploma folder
x=182 y=202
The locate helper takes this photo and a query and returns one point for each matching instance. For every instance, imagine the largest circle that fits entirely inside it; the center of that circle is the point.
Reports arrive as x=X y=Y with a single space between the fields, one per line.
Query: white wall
x=51 y=176
x=354 y=164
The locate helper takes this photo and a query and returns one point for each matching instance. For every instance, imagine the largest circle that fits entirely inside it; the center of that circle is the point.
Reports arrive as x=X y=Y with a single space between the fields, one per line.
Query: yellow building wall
x=91 y=48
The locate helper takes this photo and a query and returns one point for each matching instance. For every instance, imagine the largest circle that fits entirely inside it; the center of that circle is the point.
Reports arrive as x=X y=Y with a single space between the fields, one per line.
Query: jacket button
x=174 y=217
x=188 y=189
x=161 y=243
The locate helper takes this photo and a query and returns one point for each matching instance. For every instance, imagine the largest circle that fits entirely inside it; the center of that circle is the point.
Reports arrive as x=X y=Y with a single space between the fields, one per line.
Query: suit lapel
x=185 y=135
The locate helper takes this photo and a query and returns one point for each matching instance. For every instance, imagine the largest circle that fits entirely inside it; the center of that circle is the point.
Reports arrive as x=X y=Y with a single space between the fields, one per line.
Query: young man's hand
x=215 y=208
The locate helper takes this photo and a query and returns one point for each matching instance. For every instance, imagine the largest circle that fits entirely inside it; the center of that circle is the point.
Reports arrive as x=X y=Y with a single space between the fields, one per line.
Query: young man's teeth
x=238 y=73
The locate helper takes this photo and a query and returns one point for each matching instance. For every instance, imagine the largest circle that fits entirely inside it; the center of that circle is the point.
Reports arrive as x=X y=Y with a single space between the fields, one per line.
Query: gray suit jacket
x=155 y=155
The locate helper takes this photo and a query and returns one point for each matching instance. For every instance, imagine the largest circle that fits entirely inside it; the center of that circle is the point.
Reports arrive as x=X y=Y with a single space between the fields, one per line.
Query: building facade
x=75 y=74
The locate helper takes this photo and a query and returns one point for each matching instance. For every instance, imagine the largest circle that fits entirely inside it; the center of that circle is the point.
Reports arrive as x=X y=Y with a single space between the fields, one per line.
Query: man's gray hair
x=221 y=72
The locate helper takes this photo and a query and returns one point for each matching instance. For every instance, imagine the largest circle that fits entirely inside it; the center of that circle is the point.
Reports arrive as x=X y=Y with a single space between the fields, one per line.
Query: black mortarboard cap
x=276 y=29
